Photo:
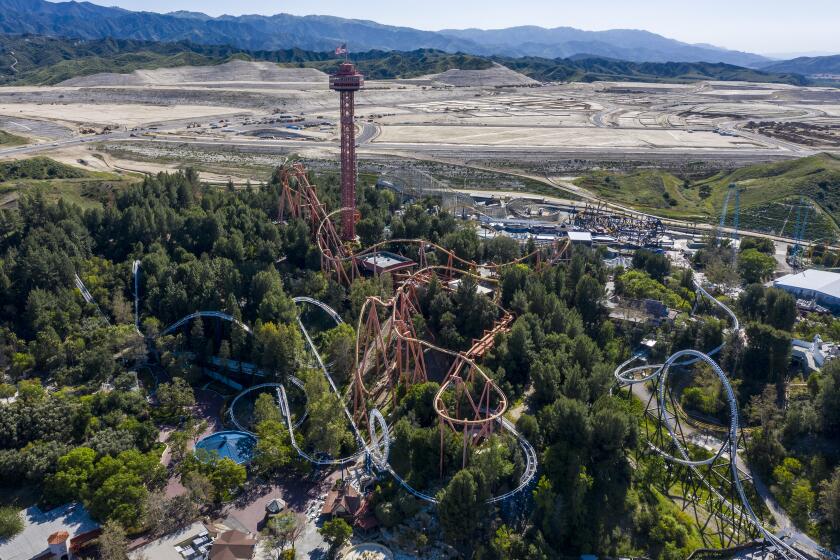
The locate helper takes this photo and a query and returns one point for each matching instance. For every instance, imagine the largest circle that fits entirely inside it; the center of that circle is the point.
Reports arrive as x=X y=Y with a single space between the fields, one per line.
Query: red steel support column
x=348 y=166
x=347 y=81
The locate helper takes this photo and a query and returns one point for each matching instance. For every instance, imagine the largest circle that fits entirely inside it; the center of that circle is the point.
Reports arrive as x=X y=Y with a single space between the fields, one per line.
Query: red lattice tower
x=346 y=82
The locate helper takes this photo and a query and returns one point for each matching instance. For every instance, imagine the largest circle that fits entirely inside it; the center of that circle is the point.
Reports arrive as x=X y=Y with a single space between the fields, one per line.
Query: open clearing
x=118 y=114
x=548 y=130
x=559 y=137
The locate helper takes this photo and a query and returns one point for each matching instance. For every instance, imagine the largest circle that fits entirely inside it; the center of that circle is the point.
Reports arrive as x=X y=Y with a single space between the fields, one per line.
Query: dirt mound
x=497 y=75
x=233 y=71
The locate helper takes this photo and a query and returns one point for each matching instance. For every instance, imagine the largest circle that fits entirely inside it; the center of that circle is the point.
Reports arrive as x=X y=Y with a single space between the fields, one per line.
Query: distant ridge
x=323 y=33
x=49 y=60
x=808 y=65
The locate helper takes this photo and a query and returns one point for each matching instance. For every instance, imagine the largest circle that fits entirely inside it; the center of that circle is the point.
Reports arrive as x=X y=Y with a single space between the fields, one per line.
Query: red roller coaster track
x=388 y=350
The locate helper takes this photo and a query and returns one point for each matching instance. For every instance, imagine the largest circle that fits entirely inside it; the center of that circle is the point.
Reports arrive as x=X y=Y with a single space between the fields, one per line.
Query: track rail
x=626 y=376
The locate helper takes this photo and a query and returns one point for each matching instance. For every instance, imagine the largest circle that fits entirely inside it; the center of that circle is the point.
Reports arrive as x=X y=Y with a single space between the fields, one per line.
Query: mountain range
x=43 y=60
x=807 y=65
x=323 y=33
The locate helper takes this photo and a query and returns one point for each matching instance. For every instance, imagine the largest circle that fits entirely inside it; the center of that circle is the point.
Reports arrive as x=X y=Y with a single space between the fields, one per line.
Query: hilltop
x=768 y=193
x=45 y=60
x=321 y=33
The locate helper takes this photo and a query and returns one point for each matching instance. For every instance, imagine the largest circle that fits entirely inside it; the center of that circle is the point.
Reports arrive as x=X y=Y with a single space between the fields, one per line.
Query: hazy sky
x=764 y=26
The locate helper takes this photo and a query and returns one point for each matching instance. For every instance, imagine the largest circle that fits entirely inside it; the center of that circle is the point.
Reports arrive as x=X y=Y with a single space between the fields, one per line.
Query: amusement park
x=408 y=371
x=398 y=369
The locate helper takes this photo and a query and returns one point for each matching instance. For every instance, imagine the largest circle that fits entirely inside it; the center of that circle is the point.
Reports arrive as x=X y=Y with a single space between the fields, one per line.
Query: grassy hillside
x=7 y=139
x=588 y=69
x=381 y=65
x=57 y=181
x=807 y=65
x=48 y=60
x=770 y=194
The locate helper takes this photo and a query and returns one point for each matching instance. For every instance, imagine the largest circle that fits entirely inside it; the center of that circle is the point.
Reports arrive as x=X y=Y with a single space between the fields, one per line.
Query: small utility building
x=385 y=261
x=820 y=286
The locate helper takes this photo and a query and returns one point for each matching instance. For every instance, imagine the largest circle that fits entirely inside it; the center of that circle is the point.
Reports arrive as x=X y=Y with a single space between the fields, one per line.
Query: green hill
x=591 y=69
x=57 y=181
x=50 y=60
x=770 y=194
x=7 y=139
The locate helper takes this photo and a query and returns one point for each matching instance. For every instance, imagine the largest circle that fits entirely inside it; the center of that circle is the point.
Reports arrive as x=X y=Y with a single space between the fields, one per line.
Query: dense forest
x=76 y=423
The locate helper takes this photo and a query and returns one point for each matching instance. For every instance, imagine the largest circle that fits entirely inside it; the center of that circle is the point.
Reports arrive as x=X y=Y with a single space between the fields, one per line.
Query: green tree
x=120 y=498
x=283 y=530
x=175 y=397
x=272 y=452
x=113 y=544
x=754 y=266
x=265 y=409
x=227 y=478
x=279 y=348
x=339 y=345
x=328 y=425
x=336 y=532
x=72 y=477
x=801 y=503
x=458 y=510
x=829 y=500
x=588 y=294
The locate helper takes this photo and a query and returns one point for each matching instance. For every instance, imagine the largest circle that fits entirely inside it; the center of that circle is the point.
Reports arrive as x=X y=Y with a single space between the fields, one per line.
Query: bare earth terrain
x=494 y=116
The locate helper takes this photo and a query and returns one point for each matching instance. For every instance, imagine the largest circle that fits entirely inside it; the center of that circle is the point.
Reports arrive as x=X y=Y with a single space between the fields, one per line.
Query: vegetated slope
x=769 y=194
x=808 y=65
x=47 y=60
x=56 y=181
x=385 y=65
x=38 y=168
x=589 y=69
x=8 y=139
x=322 y=33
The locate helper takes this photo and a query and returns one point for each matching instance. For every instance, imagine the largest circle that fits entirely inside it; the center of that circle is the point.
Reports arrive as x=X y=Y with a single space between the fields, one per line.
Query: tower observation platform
x=346 y=82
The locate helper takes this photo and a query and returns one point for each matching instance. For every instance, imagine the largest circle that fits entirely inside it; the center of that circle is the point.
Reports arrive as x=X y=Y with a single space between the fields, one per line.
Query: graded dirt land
x=115 y=114
x=233 y=71
x=497 y=75
x=494 y=117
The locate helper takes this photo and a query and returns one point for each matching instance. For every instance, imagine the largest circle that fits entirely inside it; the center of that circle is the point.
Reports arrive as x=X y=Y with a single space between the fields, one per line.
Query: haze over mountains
x=321 y=33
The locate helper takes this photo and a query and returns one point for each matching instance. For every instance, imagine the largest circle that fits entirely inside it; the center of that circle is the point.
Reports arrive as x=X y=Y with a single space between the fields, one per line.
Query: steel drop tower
x=346 y=82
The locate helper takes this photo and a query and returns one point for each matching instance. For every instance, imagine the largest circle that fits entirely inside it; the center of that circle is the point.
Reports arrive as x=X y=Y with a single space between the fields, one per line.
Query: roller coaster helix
x=713 y=486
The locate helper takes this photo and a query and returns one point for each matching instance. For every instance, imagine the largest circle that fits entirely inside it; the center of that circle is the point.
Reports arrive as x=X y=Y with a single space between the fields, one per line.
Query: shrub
x=11 y=522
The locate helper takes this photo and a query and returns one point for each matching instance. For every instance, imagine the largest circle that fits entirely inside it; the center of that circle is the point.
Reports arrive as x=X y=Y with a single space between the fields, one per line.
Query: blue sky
x=765 y=26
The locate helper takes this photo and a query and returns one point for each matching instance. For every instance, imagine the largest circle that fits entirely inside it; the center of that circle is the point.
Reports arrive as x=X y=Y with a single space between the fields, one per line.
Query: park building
x=819 y=286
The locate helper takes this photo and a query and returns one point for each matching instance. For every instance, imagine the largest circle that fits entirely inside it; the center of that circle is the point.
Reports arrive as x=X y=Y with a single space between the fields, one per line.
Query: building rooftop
x=815 y=280
x=40 y=527
x=580 y=236
x=164 y=547
x=233 y=545
x=231 y=444
x=385 y=261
